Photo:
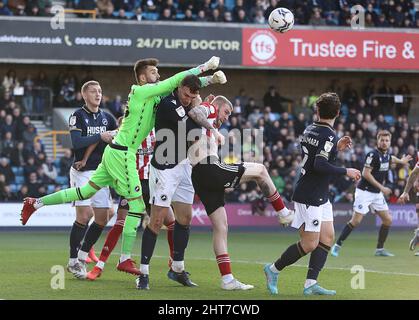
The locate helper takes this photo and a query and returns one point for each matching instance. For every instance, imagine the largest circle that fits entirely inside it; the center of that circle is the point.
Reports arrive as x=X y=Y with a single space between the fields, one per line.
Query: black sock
x=317 y=261
x=291 y=255
x=180 y=241
x=345 y=233
x=382 y=236
x=148 y=243
x=76 y=236
x=92 y=234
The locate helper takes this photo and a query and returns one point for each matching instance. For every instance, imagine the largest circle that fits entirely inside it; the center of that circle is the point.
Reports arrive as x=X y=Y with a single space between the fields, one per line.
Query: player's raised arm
x=165 y=87
x=404 y=197
x=403 y=161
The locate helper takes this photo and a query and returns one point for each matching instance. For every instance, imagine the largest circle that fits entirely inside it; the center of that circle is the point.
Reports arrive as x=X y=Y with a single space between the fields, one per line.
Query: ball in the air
x=281 y=20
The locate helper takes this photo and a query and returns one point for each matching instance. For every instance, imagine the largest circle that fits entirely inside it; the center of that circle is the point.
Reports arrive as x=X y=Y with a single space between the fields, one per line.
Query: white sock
x=82 y=255
x=227 y=278
x=178 y=266
x=100 y=264
x=144 y=268
x=309 y=283
x=273 y=268
x=73 y=261
x=38 y=204
x=124 y=257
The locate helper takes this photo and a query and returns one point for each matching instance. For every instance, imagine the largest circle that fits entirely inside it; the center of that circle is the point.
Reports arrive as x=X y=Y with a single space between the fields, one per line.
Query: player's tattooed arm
x=200 y=116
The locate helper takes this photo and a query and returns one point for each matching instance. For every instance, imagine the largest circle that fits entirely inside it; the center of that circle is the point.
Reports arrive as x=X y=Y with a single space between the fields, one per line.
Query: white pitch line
x=294 y=265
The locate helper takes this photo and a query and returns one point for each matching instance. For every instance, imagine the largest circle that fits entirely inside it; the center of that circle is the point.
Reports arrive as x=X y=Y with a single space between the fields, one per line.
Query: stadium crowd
x=378 y=13
x=26 y=170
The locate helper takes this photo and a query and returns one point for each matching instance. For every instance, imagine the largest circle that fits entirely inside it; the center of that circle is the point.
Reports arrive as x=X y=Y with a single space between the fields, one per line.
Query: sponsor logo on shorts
x=163 y=197
x=227 y=185
x=360 y=206
x=124 y=202
x=315 y=222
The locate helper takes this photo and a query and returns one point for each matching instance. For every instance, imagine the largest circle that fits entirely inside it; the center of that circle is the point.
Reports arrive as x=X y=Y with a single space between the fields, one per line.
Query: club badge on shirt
x=180 y=111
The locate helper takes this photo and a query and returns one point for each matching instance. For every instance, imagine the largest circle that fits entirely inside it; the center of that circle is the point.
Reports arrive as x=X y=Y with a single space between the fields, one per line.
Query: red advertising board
x=343 y=49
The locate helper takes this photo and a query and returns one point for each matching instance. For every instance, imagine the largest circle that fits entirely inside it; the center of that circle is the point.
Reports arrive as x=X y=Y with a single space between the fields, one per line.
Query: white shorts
x=102 y=198
x=364 y=200
x=311 y=216
x=169 y=185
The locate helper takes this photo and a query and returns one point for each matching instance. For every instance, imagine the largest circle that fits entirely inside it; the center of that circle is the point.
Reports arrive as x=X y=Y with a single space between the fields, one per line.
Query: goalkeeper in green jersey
x=118 y=166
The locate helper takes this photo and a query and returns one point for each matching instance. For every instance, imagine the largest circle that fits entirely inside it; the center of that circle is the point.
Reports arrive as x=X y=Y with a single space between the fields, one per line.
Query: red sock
x=276 y=201
x=170 y=226
x=223 y=261
x=111 y=240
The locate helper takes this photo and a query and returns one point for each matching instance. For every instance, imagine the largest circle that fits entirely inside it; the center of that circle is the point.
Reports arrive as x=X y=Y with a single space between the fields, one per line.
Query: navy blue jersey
x=172 y=116
x=89 y=124
x=380 y=164
x=312 y=188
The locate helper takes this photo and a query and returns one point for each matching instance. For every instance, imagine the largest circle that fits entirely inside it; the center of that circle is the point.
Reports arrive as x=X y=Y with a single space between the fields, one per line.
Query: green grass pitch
x=27 y=258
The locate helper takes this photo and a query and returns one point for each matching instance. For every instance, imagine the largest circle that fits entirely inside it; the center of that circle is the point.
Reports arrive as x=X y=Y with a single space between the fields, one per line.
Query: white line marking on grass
x=294 y=265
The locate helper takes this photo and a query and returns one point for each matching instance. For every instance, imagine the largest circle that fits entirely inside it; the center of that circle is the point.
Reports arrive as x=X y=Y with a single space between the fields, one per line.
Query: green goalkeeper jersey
x=140 y=114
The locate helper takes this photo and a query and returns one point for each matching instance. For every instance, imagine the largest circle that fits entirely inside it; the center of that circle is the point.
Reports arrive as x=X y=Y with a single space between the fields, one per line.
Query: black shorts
x=210 y=180
x=123 y=203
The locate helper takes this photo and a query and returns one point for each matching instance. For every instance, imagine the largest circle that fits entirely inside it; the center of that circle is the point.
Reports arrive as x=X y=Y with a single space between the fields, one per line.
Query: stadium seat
x=180 y=16
x=19 y=179
x=50 y=188
x=17 y=171
x=61 y=180
x=56 y=163
x=150 y=16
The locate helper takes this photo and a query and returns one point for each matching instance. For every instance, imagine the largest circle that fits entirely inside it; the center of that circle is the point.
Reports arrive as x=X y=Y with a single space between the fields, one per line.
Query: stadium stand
x=26 y=169
x=383 y=14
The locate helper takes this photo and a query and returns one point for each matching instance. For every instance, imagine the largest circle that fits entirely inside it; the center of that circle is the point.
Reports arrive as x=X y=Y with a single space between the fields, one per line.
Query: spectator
x=202 y=17
x=242 y=17
x=189 y=15
x=8 y=126
x=27 y=100
x=10 y=81
x=259 y=17
x=7 y=145
x=35 y=188
x=65 y=163
x=49 y=169
x=138 y=16
x=227 y=17
x=104 y=6
x=4 y=10
x=126 y=5
x=29 y=136
x=273 y=99
x=316 y=19
x=18 y=155
x=6 y=170
x=23 y=193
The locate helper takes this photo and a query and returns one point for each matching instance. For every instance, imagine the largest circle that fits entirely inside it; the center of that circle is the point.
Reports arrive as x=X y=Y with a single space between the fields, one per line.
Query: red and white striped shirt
x=144 y=155
x=417 y=159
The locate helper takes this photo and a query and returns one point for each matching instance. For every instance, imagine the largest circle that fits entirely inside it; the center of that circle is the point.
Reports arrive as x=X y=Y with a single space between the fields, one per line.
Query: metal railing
x=54 y=134
x=92 y=12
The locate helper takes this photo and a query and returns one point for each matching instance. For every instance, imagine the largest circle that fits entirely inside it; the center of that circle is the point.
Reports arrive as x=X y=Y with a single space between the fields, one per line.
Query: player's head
x=225 y=108
x=188 y=89
x=146 y=71
x=328 y=106
x=383 y=140
x=92 y=93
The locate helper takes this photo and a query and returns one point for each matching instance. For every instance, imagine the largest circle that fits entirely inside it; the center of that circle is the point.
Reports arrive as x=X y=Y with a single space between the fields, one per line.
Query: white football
x=281 y=20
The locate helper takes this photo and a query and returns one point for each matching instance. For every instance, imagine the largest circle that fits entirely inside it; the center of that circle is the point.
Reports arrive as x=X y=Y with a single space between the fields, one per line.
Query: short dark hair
x=141 y=65
x=192 y=82
x=328 y=105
